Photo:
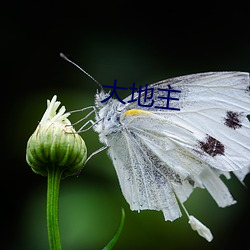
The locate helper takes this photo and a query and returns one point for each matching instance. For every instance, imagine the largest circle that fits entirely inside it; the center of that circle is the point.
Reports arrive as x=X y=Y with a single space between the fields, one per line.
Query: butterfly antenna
x=68 y=60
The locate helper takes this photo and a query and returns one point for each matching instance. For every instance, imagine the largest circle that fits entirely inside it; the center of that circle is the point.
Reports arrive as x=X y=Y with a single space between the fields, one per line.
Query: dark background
x=141 y=42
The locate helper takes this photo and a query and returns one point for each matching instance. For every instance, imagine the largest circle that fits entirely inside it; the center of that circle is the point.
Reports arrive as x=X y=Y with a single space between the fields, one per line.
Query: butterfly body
x=109 y=116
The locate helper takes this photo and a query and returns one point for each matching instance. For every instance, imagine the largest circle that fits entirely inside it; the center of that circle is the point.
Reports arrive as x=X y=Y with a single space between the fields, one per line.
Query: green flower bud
x=55 y=144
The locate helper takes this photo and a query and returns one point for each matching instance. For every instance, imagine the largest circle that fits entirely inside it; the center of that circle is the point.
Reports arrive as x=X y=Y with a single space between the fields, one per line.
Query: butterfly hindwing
x=142 y=183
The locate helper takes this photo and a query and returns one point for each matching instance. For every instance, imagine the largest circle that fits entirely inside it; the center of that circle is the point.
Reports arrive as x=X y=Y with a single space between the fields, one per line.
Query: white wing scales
x=141 y=183
x=215 y=105
x=150 y=175
x=165 y=153
x=180 y=160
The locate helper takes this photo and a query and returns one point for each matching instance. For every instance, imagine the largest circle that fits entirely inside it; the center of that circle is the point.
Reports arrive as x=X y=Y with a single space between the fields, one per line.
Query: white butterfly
x=161 y=155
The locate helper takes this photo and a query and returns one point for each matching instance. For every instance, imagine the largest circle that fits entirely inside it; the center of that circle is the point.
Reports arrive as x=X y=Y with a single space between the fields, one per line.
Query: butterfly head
x=100 y=97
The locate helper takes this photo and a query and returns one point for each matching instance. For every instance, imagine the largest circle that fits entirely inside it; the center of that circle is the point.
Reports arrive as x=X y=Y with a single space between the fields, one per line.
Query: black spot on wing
x=212 y=146
x=233 y=119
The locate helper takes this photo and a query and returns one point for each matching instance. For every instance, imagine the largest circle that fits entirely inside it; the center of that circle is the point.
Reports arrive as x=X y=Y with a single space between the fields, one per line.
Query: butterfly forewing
x=213 y=107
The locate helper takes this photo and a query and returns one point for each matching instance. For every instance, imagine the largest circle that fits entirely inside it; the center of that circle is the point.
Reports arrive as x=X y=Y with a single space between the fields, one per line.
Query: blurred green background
x=111 y=40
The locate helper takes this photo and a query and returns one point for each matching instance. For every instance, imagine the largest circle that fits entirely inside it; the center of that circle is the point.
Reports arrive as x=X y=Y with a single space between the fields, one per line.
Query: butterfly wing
x=141 y=184
x=162 y=153
x=214 y=107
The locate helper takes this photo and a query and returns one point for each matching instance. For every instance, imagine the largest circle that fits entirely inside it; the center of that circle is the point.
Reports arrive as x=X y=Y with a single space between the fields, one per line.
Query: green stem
x=117 y=234
x=54 y=177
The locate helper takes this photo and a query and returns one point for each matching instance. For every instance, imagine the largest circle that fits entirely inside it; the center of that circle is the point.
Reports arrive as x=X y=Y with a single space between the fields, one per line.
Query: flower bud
x=55 y=144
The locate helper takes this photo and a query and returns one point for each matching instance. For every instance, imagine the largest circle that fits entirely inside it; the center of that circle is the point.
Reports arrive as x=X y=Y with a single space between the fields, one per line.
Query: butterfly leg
x=96 y=152
x=91 y=155
x=86 y=116
x=83 y=129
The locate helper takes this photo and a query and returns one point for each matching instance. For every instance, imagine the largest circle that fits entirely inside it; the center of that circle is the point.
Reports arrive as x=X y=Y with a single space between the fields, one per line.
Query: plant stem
x=54 y=177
